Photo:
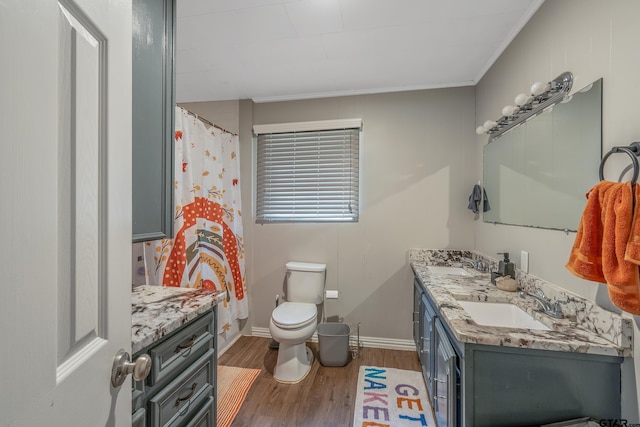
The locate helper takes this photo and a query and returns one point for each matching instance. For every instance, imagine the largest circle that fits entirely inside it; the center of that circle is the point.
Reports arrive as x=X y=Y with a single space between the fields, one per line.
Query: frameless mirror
x=537 y=173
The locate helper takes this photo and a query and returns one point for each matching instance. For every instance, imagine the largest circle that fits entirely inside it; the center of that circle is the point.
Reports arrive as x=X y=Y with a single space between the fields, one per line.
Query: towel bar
x=633 y=151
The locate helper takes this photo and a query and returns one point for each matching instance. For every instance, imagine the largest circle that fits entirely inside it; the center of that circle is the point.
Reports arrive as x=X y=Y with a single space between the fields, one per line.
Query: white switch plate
x=524 y=261
x=331 y=294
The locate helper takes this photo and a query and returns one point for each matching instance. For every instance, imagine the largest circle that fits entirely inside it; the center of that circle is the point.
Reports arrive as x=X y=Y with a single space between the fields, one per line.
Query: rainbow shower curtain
x=207 y=250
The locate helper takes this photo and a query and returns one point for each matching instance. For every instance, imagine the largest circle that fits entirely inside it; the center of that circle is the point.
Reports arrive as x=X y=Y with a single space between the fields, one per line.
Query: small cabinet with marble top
x=181 y=386
x=176 y=327
x=480 y=385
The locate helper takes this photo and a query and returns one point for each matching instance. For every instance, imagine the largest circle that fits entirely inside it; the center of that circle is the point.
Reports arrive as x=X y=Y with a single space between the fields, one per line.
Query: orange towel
x=600 y=247
x=632 y=253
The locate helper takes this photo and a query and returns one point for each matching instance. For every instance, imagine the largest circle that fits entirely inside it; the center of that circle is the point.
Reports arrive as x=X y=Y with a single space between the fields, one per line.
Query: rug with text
x=389 y=397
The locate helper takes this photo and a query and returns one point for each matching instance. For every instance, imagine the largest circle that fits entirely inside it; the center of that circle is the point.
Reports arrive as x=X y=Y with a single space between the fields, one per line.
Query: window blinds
x=308 y=176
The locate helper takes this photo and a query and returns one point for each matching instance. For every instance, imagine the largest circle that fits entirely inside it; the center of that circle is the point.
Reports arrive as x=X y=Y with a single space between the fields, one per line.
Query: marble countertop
x=566 y=335
x=157 y=311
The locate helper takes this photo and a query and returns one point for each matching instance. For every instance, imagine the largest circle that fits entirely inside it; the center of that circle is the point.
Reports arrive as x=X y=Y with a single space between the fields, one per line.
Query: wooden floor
x=324 y=398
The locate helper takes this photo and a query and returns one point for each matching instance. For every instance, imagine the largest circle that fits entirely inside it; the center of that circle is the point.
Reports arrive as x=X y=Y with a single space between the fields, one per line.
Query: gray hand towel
x=474 y=198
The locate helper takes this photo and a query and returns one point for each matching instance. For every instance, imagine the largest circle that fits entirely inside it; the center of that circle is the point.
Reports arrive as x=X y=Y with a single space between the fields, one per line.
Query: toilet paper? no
x=331 y=294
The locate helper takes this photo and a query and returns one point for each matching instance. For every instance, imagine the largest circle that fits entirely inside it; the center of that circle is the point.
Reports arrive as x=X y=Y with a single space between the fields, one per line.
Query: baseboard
x=260 y=332
x=372 y=342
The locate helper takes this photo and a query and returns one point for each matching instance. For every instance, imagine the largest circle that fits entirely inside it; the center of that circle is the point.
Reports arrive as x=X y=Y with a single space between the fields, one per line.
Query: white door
x=65 y=211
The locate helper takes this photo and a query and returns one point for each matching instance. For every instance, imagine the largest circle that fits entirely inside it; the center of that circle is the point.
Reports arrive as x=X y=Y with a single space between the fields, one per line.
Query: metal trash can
x=333 y=342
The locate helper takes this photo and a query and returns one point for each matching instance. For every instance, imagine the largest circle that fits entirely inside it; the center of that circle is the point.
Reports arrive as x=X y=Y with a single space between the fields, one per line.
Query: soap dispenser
x=506 y=267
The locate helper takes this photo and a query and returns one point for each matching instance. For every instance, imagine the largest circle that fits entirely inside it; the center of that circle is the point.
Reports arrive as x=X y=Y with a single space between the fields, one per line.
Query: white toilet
x=294 y=321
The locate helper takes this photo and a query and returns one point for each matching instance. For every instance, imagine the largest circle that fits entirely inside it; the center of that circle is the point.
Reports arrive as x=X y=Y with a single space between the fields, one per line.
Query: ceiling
x=269 y=50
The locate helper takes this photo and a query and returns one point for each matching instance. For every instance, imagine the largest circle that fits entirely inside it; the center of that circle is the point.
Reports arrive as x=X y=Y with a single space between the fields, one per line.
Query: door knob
x=122 y=366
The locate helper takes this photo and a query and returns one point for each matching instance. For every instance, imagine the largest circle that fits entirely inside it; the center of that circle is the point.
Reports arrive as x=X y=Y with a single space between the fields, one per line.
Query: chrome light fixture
x=542 y=96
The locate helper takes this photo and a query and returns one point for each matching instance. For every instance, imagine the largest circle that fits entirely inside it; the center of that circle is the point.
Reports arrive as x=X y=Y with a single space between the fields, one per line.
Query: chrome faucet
x=549 y=308
x=476 y=264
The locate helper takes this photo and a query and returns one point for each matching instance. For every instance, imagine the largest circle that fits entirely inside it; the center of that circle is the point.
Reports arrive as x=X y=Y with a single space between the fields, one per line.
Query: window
x=308 y=172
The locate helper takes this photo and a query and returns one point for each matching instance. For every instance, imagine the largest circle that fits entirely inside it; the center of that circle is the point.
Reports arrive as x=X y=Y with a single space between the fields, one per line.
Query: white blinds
x=310 y=176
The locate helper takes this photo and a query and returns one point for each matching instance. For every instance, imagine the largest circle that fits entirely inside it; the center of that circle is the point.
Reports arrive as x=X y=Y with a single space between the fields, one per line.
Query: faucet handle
x=540 y=293
x=557 y=310
x=557 y=304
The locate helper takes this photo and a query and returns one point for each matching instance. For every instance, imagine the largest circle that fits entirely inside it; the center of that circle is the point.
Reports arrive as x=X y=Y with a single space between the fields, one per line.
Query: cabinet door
x=153 y=118
x=417 y=314
x=427 y=349
x=445 y=379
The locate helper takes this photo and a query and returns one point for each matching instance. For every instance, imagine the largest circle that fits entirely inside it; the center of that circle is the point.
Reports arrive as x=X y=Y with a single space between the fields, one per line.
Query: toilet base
x=294 y=363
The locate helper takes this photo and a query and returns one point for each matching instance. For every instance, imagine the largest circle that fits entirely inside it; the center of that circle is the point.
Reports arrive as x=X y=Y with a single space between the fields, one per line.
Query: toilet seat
x=293 y=315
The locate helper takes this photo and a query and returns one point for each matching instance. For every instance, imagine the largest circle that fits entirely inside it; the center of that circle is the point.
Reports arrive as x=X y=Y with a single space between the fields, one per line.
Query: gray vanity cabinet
x=181 y=388
x=474 y=385
x=153 y=118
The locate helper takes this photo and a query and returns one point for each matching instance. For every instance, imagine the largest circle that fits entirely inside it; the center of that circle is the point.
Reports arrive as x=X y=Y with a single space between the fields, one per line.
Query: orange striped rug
x=233 y=386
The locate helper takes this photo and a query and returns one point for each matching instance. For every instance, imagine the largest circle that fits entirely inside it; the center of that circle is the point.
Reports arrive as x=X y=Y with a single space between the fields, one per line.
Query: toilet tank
x=305 y=282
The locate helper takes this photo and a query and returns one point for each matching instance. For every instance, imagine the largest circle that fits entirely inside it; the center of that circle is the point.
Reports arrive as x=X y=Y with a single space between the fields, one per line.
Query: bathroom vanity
x=484 y=375
x=176 y=327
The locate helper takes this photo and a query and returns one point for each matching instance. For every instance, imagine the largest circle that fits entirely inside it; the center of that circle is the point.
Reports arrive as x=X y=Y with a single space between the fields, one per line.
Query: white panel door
x=65 y=211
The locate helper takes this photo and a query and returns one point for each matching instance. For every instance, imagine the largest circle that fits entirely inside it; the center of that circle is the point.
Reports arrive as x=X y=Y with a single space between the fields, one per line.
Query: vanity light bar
x=542 y=96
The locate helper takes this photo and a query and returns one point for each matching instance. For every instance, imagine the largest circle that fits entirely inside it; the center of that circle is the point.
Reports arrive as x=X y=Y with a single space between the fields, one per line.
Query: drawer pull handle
x=186 y=345
x=188 y=396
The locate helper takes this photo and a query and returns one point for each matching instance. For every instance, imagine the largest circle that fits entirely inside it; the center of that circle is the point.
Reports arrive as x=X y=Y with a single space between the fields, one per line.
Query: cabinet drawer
x=137 y=394
x=181 y=349
x=138 y=419
x=181 y=398
x=205 y=416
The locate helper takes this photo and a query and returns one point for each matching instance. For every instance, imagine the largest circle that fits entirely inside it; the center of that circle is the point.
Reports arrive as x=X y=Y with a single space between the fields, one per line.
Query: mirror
x=537 y=173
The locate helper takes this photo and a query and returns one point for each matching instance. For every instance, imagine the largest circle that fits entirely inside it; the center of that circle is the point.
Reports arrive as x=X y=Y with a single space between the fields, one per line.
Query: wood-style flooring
x=325 y=398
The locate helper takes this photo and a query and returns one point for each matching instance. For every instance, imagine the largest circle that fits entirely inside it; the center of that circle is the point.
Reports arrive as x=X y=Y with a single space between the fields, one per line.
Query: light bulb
x=538 y=88
x=480 y=130
x=508 y=110
x=490 y=124
x=522 y=99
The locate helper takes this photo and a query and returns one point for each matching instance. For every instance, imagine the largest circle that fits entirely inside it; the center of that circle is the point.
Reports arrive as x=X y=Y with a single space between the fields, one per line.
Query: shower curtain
x=207 y=250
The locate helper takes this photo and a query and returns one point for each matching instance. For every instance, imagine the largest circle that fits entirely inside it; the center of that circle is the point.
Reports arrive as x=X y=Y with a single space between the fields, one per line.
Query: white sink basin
x=456 y=271
x=501 y=314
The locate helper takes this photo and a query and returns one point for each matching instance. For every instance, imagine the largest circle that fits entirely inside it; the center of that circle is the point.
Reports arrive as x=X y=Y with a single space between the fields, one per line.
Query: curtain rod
x=202 y=119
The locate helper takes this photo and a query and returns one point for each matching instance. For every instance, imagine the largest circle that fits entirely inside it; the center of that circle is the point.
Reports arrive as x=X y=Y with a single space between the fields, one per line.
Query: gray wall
x=592 y=39
x=417 y=170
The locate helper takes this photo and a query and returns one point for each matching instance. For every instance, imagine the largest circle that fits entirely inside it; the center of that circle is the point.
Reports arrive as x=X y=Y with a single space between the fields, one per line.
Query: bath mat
x=233 y=386
x=391 y=397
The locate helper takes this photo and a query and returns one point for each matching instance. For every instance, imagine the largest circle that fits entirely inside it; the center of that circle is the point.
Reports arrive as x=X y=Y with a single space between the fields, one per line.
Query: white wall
x=416 y=175
x=592 y=39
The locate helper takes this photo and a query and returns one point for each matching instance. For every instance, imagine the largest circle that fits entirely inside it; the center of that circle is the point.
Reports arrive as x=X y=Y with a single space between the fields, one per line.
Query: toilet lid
x=293 y=314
